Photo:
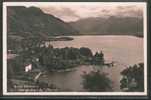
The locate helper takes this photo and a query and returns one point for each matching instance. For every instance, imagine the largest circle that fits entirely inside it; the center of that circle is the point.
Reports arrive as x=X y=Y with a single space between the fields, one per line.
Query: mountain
x=113 y=25
x=31 y=24
x=28 y=22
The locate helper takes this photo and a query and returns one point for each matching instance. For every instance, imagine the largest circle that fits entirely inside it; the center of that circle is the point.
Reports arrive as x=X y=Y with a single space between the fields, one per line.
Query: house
x=28 y=68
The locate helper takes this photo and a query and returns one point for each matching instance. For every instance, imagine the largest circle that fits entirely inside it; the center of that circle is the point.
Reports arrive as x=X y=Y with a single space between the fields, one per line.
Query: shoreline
x=74 y=68
x=96 y=35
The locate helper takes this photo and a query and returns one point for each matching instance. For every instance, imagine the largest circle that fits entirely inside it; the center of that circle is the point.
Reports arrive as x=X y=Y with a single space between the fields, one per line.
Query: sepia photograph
x=74 y=48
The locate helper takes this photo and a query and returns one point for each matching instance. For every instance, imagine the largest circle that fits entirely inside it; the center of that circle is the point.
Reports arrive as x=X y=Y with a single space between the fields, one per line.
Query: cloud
x=134 y=11
x=64 y=13
x=73 y=12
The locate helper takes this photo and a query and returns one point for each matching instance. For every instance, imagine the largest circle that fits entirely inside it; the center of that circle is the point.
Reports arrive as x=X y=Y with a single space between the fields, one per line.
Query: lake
x=123 y=50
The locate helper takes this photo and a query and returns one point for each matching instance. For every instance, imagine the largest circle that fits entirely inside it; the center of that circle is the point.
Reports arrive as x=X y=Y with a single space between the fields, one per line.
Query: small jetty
x=109 y=64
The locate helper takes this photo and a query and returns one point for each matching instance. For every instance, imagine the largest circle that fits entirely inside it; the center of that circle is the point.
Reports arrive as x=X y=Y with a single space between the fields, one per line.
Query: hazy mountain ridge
x=114 y=25
x=32 y=21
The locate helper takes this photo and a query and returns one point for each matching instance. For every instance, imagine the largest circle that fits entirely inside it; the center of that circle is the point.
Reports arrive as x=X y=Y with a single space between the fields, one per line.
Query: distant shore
x=69 y=37
x=60 y=38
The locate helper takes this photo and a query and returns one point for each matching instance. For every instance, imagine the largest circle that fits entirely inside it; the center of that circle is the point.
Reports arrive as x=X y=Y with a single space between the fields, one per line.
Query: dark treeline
x=62 y=58
x=49 y=58
x=133 y=78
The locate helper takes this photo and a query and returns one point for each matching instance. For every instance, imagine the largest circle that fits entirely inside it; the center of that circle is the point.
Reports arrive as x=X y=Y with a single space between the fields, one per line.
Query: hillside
x=32 y=21
x=33 y=25
x=110 y=26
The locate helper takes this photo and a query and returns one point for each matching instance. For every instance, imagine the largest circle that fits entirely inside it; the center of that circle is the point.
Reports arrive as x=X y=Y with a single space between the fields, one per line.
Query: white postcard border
x=5 y=4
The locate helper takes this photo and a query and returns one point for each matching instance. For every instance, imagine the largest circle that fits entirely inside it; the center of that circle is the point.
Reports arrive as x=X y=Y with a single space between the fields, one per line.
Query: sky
x=75 y=11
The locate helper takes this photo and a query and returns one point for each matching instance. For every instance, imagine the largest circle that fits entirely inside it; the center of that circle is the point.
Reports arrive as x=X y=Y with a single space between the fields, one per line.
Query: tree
x=133 y=78
x=72 y=53
x=96 y=81
x=101 y=57
x=68 y=57
x=85 y=52
x=98 y=58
